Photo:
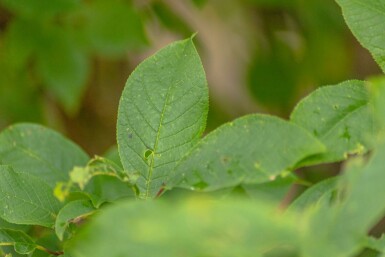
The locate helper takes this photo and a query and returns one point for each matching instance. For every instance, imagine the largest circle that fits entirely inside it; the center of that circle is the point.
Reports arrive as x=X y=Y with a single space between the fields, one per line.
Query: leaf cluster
x=221 y=179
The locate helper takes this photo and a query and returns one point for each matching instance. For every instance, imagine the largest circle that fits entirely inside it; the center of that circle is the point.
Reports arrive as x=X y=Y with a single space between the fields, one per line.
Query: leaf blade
x=194 y=227
x=21 y=242
x=69 y=212
x=25 y=199
x=162 y=113
x=340 y=116
x=251 y=150
x=366 y=19
x=40 y=151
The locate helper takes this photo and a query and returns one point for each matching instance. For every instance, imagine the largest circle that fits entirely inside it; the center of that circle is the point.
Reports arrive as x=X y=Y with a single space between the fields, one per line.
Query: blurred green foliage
x=305 y=45
x=47 y=51
x=54 y=52
x=47 y=46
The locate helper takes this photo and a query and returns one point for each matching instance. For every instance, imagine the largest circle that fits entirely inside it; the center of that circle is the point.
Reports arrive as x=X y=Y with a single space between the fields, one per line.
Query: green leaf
x=321 y=192
x=162 y=114
x=113 y=155
x=377 y=244
x=25 y=199
x=273 y=191
x=106 y=189
x=19 y=94
x=40 y=151
x=195 y=227
x=342 y=229
x=366 y=19
x=101 y=181
x=113 y=27
x=19 y=45
x=63 y=67
x=377 y=91
x=6 y=225
x=72 y=213
x=40 y=9
x=252 y=149
x=340 y=117
x=21 y=242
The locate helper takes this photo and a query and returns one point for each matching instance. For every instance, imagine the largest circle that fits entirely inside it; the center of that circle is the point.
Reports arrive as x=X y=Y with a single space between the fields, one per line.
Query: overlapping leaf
x=162 y=114
x=366 y=19
x=340 y=117
x=252 y=149
x=321 y=192
x=40 y=151
x=69 y=213
x=194 y=227
x=21 y=242
x=25 y=199
x=342 y=229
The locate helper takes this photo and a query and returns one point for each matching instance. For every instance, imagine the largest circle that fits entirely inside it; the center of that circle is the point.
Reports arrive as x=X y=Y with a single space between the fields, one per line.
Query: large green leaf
x=366 y=19
x=162 y=114
x=40 y=151
x=25 y=199
x=340 y=117
x=6 y=225
x=252 y=149
x=194 y=227
x=21 y=242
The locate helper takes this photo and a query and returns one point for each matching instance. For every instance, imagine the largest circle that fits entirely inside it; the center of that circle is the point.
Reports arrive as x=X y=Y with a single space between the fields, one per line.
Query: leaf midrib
x=151 y=166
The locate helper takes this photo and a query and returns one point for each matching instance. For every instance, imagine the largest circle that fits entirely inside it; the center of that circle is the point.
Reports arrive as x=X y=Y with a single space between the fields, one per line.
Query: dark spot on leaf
x=129 y=135
x=346 y=134
x=148 y=153
x=225 y=159
x=200 y=185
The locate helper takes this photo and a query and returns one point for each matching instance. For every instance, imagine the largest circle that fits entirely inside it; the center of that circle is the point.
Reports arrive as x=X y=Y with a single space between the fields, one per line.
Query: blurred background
x=64 y=63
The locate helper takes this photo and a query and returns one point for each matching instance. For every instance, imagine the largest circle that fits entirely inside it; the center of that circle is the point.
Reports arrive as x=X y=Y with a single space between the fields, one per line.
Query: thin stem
x=56 y=253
